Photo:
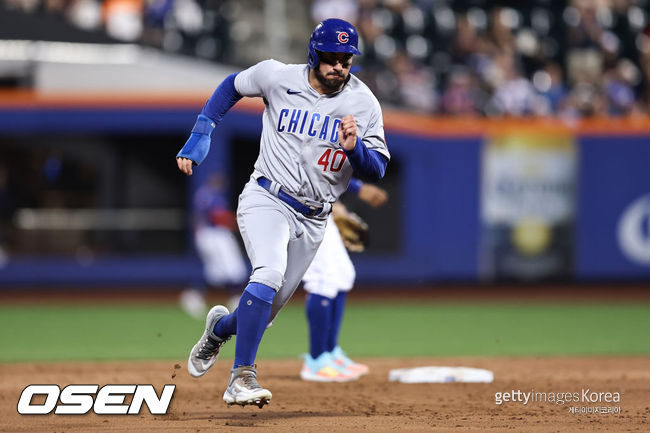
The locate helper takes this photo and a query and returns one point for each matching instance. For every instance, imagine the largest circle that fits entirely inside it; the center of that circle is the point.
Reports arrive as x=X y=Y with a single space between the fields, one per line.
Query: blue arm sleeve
x=224 y=97
x=355 y=186
x=222 y=100
x=367 y=163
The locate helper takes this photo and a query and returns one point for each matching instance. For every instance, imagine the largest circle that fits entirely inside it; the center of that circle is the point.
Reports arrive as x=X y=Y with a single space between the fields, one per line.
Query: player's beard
x=334 y=83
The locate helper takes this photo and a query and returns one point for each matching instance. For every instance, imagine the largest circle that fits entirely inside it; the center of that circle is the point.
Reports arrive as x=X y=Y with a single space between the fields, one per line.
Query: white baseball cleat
x=205 y=352
x=243 y=388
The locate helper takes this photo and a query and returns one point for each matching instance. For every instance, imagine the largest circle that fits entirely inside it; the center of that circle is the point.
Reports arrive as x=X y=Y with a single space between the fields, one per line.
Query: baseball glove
x=353 y=230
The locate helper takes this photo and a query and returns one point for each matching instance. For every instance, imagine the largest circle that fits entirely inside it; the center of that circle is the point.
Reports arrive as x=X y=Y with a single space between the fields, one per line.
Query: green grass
x=113 y=332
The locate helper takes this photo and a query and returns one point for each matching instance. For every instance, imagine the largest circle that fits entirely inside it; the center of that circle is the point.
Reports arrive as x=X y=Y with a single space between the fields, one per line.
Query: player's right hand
x=347 y=133
x=184 y=165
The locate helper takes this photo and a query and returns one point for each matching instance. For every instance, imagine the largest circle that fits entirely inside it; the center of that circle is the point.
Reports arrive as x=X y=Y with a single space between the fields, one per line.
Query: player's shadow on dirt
x=248 y=418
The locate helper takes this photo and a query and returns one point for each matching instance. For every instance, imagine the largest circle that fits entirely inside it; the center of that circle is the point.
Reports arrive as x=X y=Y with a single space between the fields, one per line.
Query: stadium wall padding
x=439 y=185
x=613 y=226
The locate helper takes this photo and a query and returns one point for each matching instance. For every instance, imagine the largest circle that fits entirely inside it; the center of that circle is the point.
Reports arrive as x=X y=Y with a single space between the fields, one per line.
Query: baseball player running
x=319 y=126
x=327 y=282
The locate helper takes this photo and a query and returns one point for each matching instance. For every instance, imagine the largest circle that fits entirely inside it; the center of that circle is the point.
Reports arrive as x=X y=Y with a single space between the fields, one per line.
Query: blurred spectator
x=514 y=94
x=585 y=100
x=156 y=13
x=85 y=14
x=503 y=21
x=459 y=97
x=619 y=89
x=123 y=19
x=344 y=9
x=414 y=84
x=644 y=48
x=550 y=84
x=583 y=27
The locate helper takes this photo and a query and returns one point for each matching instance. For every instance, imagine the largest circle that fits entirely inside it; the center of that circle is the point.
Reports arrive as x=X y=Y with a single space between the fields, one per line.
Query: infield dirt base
x=370 y=404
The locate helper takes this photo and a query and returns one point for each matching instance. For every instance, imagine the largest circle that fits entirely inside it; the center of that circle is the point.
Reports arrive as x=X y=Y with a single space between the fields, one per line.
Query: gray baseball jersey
x=299 y=150
x=299 y=146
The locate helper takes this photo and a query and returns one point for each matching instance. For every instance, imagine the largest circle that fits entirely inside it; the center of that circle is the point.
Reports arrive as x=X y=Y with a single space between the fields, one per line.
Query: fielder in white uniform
x=223 y=263
x=320 y=125
x=327 y=282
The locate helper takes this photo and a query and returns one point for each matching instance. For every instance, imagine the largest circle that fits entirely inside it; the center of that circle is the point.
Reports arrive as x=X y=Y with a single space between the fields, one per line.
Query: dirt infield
x=371 y=404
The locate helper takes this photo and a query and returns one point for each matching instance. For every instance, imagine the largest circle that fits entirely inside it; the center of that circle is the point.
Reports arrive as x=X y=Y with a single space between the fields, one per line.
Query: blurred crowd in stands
x=570 y=58
x=200 y=28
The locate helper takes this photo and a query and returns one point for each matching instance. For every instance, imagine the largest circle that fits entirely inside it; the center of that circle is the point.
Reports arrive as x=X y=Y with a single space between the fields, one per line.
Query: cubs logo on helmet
x=332 y=35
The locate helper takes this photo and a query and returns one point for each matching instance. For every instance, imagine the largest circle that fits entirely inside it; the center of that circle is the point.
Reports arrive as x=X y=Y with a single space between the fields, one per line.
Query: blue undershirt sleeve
x=197 y=146
x=367 y=163
x=355 y=186
x=222 y=100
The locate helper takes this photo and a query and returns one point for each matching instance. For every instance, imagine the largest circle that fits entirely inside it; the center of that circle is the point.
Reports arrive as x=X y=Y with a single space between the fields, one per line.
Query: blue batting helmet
x=332 y=36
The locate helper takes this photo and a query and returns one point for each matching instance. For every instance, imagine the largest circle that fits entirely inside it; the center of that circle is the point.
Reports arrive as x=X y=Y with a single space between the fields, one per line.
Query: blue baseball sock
x=227 y=326
x=252 y=317
x=337 y=311
x=319 y=317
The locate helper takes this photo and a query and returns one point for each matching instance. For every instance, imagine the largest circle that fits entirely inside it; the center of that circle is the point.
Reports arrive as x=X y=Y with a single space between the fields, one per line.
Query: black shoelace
x=208 y=348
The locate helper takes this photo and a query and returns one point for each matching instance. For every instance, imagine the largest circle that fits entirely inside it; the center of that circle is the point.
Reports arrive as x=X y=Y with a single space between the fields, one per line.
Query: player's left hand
x=184 y=165
x=348 y=132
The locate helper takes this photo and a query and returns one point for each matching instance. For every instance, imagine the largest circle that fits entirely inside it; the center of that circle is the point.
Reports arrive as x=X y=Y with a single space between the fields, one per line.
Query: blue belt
x=308 y=211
